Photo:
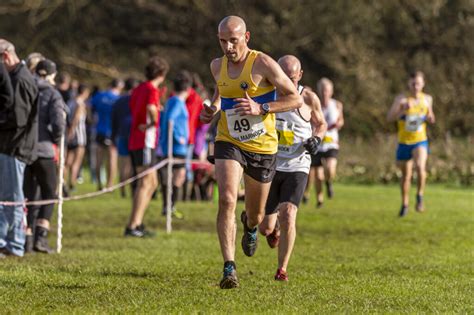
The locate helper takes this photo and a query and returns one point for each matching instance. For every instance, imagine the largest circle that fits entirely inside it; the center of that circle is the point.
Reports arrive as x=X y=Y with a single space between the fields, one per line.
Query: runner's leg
x=228 y=174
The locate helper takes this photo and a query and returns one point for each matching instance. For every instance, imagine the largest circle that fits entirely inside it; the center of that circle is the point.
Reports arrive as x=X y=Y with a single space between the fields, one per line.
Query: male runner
x=299 y=133
x=102 y=104
x=144 y=107
x=247 y=82
x=323 y=164
x=411 y=110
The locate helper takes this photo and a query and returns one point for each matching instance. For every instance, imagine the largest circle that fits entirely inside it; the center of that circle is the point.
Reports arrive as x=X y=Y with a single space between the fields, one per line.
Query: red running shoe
x=274 y=238
x=281 y=275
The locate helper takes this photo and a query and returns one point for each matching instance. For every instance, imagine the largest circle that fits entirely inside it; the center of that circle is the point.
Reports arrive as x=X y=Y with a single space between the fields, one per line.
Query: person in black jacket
x=18 y=138
x=42 y=174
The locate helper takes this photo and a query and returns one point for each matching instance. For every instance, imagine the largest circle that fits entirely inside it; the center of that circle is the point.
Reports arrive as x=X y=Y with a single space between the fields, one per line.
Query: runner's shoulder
x=309 y=95
x=400 y=97
x=429 y=98
x=264 y=60
x=216 y=66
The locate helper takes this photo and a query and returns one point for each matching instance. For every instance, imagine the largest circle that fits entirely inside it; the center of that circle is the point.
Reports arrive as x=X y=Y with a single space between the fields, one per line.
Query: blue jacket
x=102 y=104
x=176 y=111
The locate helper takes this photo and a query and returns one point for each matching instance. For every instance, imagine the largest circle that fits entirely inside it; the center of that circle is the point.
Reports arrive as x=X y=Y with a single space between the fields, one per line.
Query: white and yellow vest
x=293 y=131
x=331 y=137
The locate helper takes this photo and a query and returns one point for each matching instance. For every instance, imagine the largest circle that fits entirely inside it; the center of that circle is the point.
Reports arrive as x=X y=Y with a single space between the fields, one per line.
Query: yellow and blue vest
x=412 y=124
x=250 y=133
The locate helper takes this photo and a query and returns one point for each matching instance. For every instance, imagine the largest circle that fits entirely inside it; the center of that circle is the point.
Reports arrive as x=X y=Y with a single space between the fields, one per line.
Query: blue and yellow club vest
x=250 y=133
x=412 y=124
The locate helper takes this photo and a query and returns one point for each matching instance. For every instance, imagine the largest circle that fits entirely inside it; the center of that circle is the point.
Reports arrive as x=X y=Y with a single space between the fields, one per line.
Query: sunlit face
x=327 y=91
x=233 y=43
x=416 y=84
x=294 y=73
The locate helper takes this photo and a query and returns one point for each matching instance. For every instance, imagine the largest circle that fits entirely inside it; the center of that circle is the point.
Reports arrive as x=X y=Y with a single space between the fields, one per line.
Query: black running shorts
x=286 y=187
x=143 y=157
x=316 y=160
x=261 y=167
x=103 y=141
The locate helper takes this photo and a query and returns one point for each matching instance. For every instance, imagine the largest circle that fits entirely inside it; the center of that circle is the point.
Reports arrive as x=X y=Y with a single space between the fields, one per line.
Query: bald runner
x=247 y=83
x=299 y=135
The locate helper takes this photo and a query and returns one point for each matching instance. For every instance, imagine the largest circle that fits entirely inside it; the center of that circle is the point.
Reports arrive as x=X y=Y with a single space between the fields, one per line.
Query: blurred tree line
x=366 y=47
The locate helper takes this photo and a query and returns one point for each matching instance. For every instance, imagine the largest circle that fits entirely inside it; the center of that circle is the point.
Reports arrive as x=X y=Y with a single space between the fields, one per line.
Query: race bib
x=327 y=139
x=244 y=128
x=286 y=136
x=413 y=123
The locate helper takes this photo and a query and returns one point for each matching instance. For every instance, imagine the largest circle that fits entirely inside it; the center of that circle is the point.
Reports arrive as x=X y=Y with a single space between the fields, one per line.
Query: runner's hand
x=405 y=105
x=142 y=127
x=312 y=145
x=247 y=106
x=207 y=113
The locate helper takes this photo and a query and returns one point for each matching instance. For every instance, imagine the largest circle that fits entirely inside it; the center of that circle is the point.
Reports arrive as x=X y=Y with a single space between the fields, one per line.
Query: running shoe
x=274 y=238
x=305 y=199
x=140 y=232
x=177 y=214
x=249 y=239
x=403 y=211
x=419 y=203
x=174 y=213
x=229 y=280
x=281 y=275
x=319 y=204
x=329 y=190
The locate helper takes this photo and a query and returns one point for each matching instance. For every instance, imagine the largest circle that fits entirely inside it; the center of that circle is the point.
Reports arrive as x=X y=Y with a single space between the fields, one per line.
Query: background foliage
x=366 y=47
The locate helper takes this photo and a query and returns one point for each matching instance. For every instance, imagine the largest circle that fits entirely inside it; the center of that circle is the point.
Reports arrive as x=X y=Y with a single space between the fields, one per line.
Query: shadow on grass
x=128 y=274
x=64 y=286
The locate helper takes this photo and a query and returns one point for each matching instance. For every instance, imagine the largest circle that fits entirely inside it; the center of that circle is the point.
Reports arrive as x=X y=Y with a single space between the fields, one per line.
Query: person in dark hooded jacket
x=18 y=135
x=42 y=174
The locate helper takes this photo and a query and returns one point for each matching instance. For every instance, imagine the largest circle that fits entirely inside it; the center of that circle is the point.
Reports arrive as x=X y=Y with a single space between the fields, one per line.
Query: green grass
x=354 y=255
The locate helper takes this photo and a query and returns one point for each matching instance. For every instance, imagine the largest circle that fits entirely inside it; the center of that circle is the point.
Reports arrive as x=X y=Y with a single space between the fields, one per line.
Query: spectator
x=91 y=147
x=102 y=104
x=42 y=173
x=63 y=82
x=32 y=61
x=121 y=121
x=76 y=135
x=18 y=138
x=176 y=112
x=200 y=132
x=144 y=106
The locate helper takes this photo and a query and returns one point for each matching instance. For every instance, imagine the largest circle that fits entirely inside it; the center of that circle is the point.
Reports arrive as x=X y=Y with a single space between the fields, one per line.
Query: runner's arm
x=430 y=117
x=208 y=112
x=152 y=114
x=318 y=123
x=396 y=109
x=288 y=96
x=340 y=119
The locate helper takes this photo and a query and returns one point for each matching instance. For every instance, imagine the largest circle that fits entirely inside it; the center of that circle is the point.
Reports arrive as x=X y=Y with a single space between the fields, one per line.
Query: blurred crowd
x=109 y=136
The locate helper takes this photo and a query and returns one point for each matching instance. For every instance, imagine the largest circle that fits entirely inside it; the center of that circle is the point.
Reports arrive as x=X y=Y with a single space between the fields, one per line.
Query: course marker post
x=60 y=195
x=169 y=177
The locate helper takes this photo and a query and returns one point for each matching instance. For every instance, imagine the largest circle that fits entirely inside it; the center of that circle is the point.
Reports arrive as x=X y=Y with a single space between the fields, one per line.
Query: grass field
x=354 y=255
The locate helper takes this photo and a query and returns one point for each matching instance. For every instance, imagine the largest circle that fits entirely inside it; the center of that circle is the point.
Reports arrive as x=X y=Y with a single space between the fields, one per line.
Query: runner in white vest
x=299 y=133
x=323 y=164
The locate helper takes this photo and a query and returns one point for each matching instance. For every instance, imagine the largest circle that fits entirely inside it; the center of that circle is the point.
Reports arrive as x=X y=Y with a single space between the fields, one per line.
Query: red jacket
x=194 y=106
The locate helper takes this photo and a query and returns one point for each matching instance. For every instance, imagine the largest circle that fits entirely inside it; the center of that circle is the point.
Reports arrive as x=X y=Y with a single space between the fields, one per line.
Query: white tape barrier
x=100 y=192
x=88 y=195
